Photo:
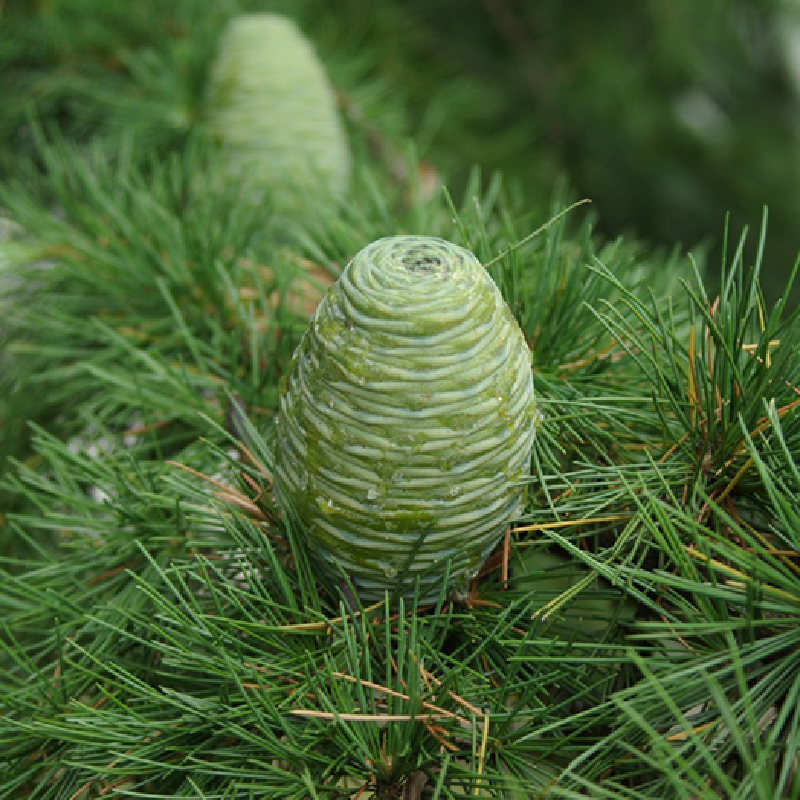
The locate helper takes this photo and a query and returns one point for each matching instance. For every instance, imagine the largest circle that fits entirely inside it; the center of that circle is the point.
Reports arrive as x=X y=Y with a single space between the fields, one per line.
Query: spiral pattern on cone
x=406 y=419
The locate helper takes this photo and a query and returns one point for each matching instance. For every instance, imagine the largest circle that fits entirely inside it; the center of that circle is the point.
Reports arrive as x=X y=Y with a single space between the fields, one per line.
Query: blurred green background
x=668 y=114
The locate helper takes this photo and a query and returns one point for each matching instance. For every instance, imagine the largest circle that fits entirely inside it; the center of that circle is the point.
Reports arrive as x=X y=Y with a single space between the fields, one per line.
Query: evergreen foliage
x=163 y=632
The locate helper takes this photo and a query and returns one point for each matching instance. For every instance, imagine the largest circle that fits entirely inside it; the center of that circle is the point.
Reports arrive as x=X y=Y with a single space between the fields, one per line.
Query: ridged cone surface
x=273 y=111
x=406 y=419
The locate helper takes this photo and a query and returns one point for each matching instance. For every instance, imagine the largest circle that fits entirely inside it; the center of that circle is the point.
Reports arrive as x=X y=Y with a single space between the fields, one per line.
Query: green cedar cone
x=273 y=111
x=406 y=419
